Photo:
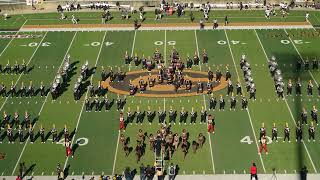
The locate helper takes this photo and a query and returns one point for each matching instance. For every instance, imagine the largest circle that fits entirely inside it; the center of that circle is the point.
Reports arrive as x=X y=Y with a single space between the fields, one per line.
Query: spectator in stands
x=201 y=24
x=226 y=21
x=172 y=171
x=142 y=172
x=215 y=24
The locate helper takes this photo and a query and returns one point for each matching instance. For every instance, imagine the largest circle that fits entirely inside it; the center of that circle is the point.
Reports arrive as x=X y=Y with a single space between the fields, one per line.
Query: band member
x=244 y=103
x=218 y=75
x=238 y=87
x=200 y=87
x=262 y=131
x=16 y=121
x=263 y=145
x=314 y=114
x=10 y=134
x=127 y=59
x=149 y=115
x=139 y=118
x=193 y=115
x=162 y=116
x=311 y=131
x=209 y=87
x=274 y=133
x=211 y=123
x=210 y=75
x=20 y=134
x=172 y=116
x=289 y=88
x=54 y=134
x=203 y=116
x=129 y=116
x=183 y=116
x=26 y=119
x=205 y=57
x=298 y=87
x=66 y=133
x=221 y=103
x=196 y=59
x=286 y=133
x=309 y=88
x=121 y=122
x=233 y=102
x=229 y=88
x=304 y=116
x=201 y=140
x=298 y=132
x=140 y=136
x=31 y=133
x=42 y=135
x=212 y=103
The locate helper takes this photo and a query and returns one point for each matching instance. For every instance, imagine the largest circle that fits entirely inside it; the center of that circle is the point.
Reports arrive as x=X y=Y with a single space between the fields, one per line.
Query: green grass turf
x=101 y=128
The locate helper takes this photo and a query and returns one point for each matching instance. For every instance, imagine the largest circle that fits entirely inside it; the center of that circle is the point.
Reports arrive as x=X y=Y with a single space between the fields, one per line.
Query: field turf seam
x=248 y=112
x=292 y=117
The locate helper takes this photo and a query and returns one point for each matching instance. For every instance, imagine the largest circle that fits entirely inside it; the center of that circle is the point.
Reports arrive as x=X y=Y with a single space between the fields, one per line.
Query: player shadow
x=65 y=85
x=84 y=88
x=72 y=133
x=110 y=105
x=29 y=170
x=74 y=147
x=47 y=136
x=60 y=135
x=34 y=120
x=66 y=171
x=28 y=70
x=2 y=136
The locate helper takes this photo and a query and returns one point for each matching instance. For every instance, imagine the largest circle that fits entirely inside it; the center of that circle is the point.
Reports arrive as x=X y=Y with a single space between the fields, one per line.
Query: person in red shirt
x=263 y=144
x=18 y=178
x=211 y=124
x=68 y=149
x=253 y=172
x=122 y=125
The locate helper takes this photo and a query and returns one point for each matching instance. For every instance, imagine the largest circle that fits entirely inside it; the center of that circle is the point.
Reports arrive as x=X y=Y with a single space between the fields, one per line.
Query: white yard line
x=8 y=45
x=205 y=106
x=80 y=114
x=249 y=115
x=196 y=38
x=26 y=142
x=292 y=117
x=210 y=143
x=27 y=66
x=301 y=57
x=132 y=49
x=116 y=154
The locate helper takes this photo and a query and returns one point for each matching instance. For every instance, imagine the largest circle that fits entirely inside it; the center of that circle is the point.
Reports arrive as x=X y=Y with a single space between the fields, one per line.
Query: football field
x=232 y=148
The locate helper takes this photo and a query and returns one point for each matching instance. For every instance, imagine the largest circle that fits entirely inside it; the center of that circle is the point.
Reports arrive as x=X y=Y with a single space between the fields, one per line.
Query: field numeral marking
x=80 y=141
x=223 y=42
x=296 y=41
x=108 y=43
x=247 y=140
x=34 y=44
x=160 y=43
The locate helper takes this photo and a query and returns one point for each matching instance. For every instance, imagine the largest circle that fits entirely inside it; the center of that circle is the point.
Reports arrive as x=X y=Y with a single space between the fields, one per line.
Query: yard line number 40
x=247 y=140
